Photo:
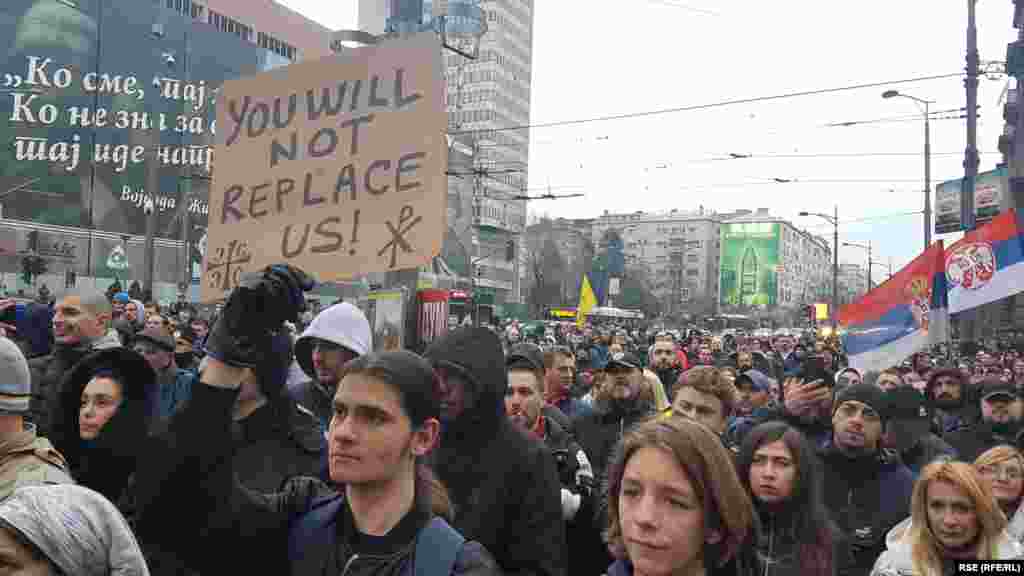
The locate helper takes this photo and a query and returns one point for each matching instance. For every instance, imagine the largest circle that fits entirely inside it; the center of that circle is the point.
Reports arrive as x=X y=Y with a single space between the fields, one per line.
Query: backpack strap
x=437 y=546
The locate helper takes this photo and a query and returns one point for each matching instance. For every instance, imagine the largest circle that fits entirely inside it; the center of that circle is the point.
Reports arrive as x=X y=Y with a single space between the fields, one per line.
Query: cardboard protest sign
x=335 y=166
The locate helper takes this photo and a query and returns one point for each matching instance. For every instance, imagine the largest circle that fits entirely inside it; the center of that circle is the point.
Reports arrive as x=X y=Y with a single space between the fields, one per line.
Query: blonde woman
x=953 y=517
x=1002 y=467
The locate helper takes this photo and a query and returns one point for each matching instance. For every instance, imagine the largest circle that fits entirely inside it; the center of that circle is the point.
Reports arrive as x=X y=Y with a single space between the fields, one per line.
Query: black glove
x=255 y=311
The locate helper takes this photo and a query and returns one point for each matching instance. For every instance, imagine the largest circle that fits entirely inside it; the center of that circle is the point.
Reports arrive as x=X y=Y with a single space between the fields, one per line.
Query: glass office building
x=93 y=95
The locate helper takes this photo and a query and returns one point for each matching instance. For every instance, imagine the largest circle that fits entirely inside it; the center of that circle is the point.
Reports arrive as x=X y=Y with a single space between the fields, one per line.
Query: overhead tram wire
x=719 y=104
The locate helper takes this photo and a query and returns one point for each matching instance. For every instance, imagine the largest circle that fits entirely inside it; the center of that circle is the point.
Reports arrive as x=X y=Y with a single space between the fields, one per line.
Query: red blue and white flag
x=904 y=315
x=987 y=264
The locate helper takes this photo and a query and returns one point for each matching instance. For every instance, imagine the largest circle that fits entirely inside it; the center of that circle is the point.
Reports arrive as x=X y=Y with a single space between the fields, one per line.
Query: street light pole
x=834 y=220
x=863 y=247
x=927 y=158
x=835 y=270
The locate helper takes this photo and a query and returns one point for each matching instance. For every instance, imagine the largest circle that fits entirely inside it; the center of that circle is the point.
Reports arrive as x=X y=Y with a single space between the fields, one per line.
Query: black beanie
x=868 y=394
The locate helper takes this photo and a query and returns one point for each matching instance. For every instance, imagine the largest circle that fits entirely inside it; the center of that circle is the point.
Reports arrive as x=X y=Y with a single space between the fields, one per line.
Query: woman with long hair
x=1002 y=467
x=676 y=505
x=953 y=517
x=780 y=471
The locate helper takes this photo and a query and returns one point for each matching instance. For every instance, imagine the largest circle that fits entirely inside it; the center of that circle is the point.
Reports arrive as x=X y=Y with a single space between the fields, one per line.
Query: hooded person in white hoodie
x=954 y=517
x=337 y=335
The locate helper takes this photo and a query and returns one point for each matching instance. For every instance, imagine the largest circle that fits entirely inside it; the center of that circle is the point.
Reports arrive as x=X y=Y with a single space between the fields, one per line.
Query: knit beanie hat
x=864 y=393
x=15 y=381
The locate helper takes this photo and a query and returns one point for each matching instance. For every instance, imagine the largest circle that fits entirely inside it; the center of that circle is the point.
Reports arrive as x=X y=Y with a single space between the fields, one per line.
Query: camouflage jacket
x=27 y=459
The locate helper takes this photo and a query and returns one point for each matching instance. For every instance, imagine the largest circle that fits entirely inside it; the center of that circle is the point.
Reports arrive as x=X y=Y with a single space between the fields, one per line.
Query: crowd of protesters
x=136 y=439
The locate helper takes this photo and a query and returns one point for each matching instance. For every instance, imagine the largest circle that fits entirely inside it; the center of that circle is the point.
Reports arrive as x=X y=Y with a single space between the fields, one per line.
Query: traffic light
x=33 y=241
x=481 y=271
x=70 y=279
x=510 y=250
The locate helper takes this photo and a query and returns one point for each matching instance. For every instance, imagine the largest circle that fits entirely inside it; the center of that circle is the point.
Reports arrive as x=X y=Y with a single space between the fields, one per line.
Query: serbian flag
x=987 y=264
x=901 y=317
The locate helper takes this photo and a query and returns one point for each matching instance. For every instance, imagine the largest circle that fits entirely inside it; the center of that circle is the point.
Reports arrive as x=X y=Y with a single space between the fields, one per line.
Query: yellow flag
x=587 y=301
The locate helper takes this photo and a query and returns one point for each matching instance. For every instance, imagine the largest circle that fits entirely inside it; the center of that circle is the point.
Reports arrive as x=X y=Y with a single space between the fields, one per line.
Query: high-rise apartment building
x=486 y=96
x=677 y=252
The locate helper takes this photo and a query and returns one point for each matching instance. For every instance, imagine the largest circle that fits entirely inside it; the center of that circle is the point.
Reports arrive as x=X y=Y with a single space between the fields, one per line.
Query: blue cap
x=122 y=298
x=758 y=380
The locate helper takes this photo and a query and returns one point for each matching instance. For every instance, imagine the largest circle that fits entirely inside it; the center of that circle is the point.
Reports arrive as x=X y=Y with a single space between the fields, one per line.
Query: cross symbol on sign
x=406 y=222
x=224 y=267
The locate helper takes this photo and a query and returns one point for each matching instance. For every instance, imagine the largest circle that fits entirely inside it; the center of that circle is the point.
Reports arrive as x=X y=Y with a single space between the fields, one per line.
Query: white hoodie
x=897 y=560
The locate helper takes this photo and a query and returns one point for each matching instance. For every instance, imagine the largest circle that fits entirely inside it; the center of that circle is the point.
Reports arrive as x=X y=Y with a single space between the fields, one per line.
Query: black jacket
x=783 y=549
x=277 y=441
x=48 y=372
x=598 y=432
x=866 y=497
x=195 y=517
x=106 y=463
x=971 y=441
x=504 y=484
x=669 y=377
x=925 y=451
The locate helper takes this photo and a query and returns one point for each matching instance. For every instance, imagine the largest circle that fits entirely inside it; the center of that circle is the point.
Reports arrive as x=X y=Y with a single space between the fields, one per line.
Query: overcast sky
x=595 y=58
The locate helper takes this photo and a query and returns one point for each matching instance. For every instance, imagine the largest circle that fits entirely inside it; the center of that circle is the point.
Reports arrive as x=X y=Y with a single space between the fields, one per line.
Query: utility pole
x=971 y=153
x=967 y=209
x=927 y=183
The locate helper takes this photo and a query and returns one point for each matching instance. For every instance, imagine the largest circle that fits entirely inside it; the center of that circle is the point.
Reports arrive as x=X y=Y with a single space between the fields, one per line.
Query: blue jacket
x=171 y=397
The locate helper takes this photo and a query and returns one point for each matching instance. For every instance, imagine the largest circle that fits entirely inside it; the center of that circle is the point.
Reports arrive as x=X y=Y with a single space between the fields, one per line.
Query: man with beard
x=615 y=411
x=999 y=423
x=81 y=325
x=524 y=405
x=503 y=483
x=337 y=335
x=948 y=391
x=663 y=363
x=867 y=488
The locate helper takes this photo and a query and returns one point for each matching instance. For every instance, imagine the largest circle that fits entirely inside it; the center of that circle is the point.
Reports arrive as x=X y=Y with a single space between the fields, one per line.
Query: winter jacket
x=504 y=484
x=332 y=325
x=276 y=442
x=1016 y=526
x=174 y=386
x=782 y=551
x=48 y=371
x=750 y=567
x=897 y=561
x=27 y=459
x=865 y=496
x=193 y=510
x=929 y=448
x=784 y=368
x=598 y=433
x=106 y=463
x=972 y=441
x=574 y=470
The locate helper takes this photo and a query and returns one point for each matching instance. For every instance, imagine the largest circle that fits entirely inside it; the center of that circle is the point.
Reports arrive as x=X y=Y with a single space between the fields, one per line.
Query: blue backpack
x=437 y=543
